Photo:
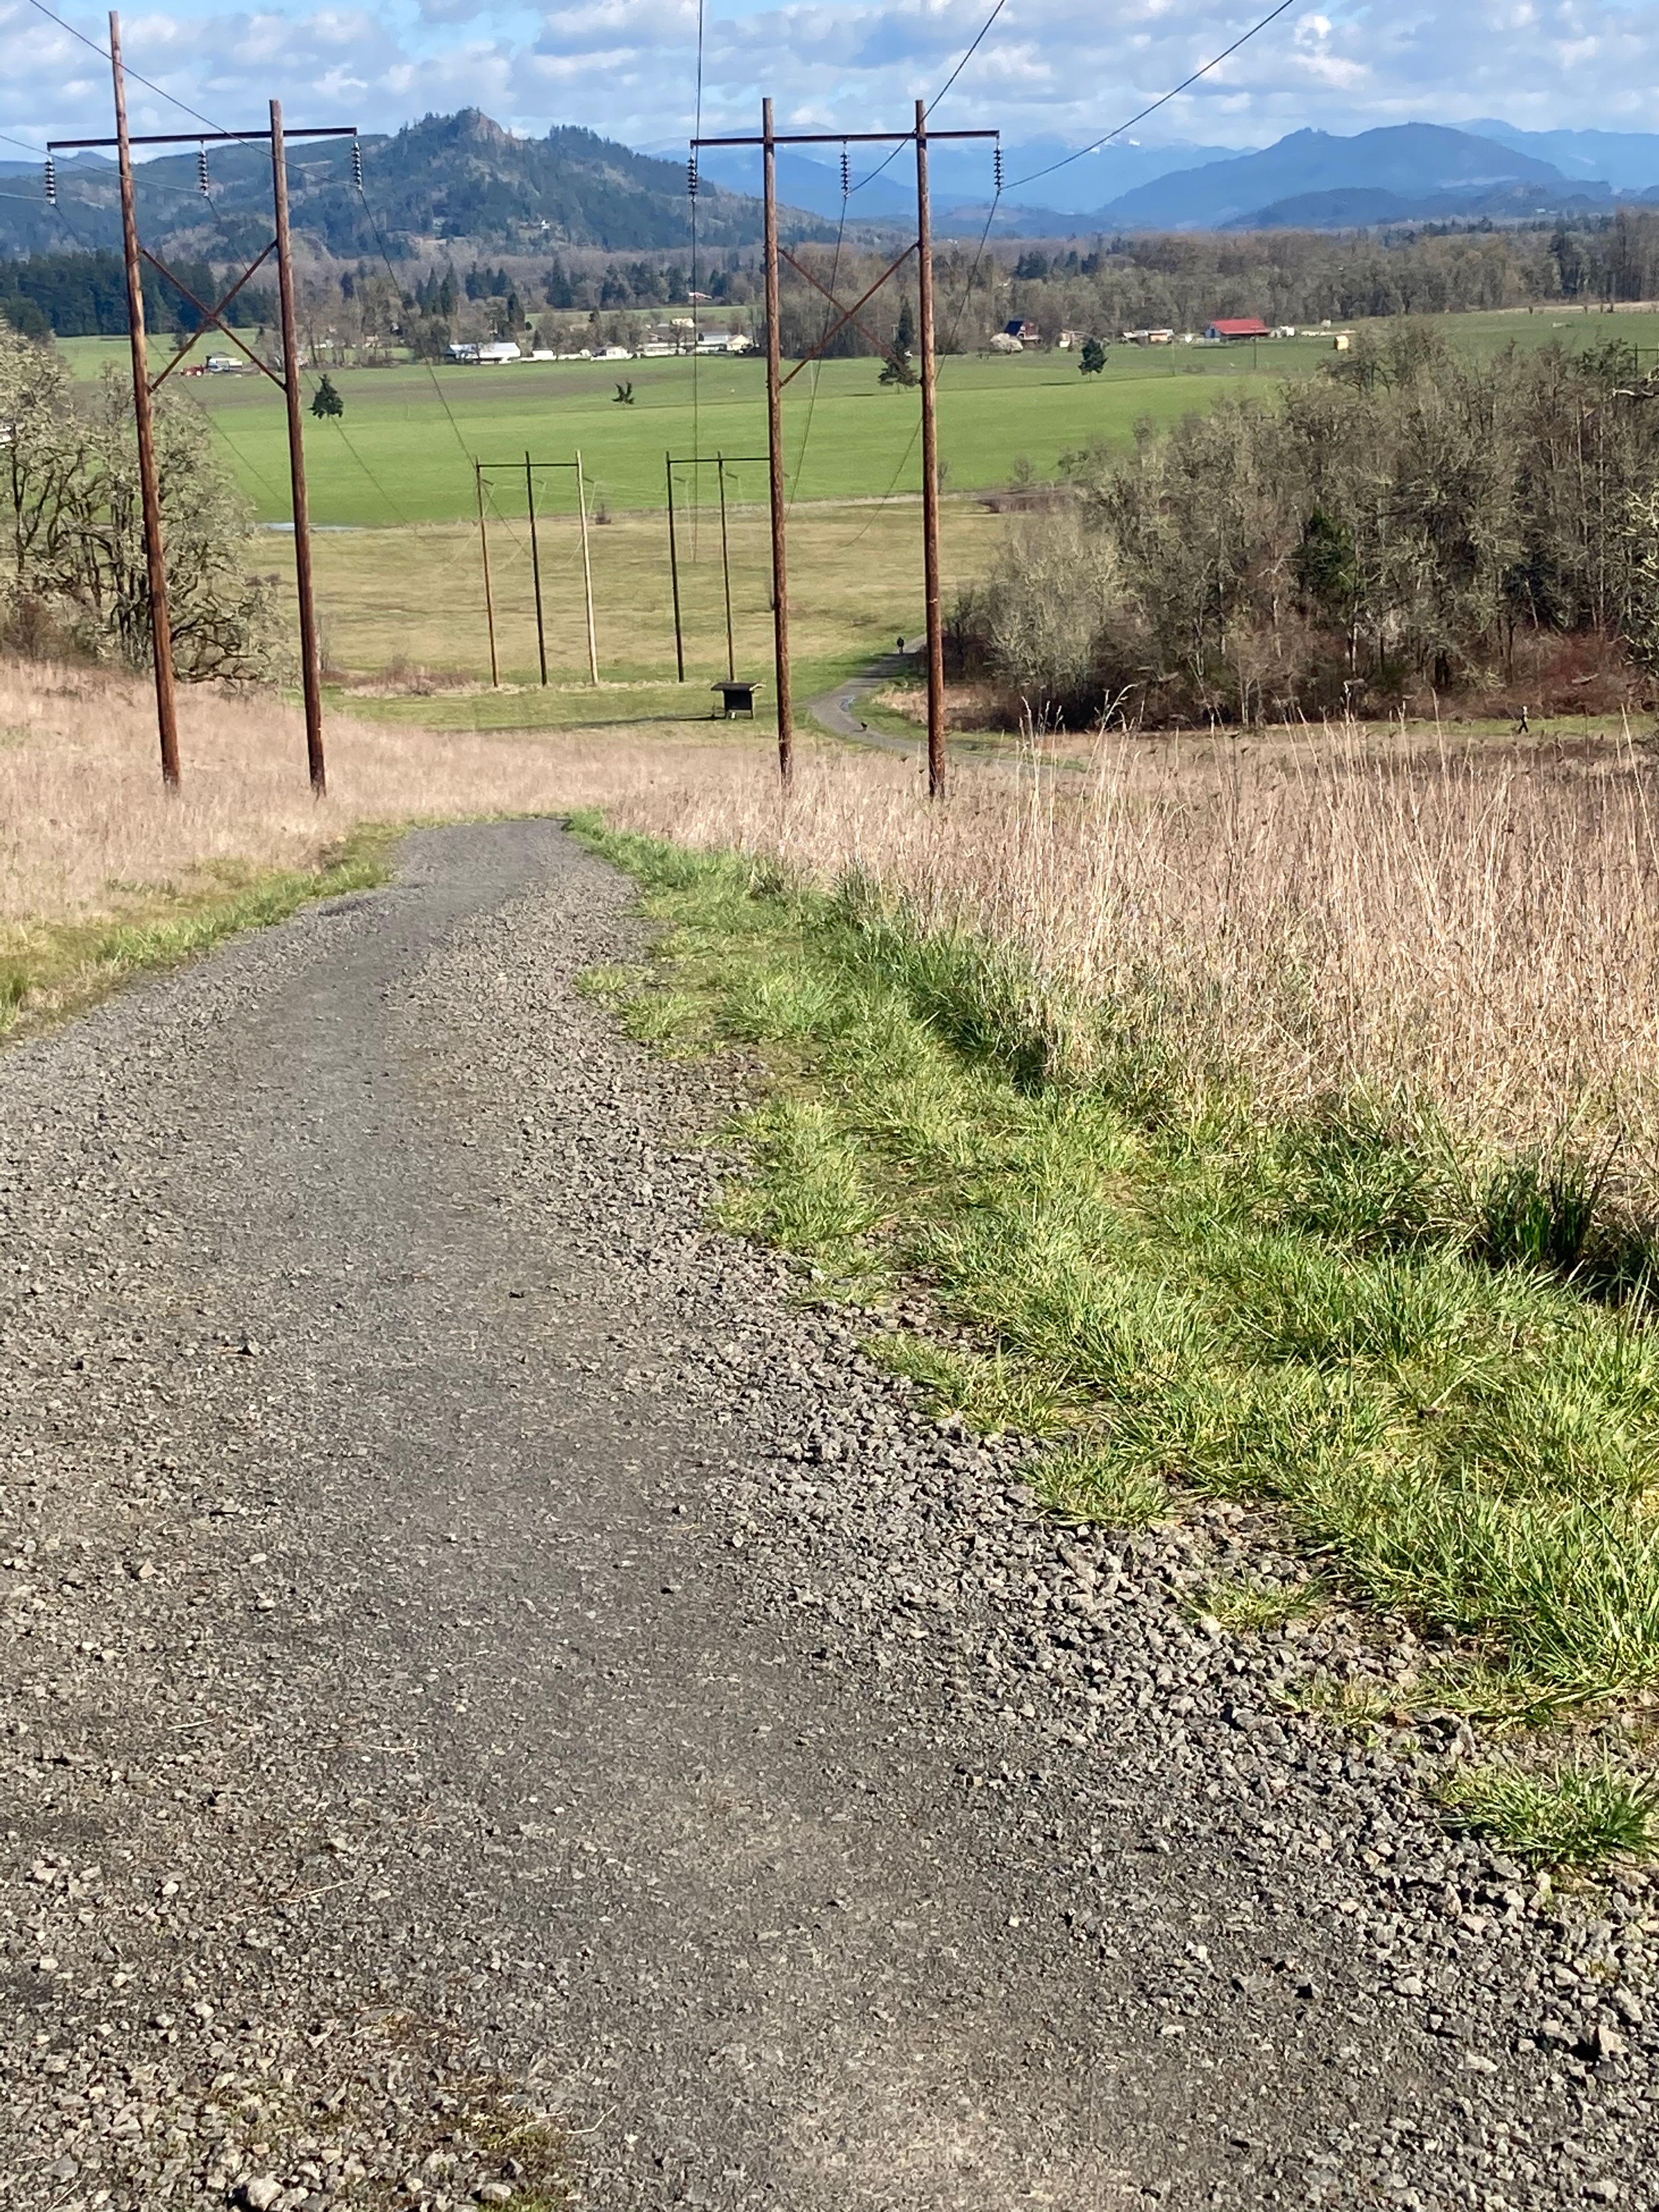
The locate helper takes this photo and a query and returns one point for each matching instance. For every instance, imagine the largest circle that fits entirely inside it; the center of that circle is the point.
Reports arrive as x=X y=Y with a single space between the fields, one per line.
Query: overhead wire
x=950 y=348
x=697 y=335
x=127 y=70
x=1175 y=92
x=979 y=38
x=817 y=366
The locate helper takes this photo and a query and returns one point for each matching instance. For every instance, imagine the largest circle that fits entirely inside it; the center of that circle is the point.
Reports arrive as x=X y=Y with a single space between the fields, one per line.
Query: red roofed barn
x=1232 y=328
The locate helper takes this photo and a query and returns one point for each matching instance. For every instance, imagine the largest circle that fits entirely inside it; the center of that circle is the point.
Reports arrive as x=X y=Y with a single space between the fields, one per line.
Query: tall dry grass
x=1469 y=937
x=84 y=820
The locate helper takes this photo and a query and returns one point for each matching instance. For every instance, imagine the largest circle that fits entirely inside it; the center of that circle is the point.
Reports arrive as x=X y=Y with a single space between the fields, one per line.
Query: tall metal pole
x=311 y=670
x=726 y=573
x=929 y=468
x=160 y=626
x=483 y=548
x=774 y=450
x=587 y=573
x=674 y=572
x=536 y=566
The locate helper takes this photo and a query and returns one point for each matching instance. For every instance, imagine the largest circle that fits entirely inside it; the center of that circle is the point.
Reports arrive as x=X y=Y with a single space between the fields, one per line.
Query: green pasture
x=404 y=451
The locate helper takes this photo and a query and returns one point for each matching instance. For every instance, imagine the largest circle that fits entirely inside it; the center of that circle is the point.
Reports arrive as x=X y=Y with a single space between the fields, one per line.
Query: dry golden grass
x=1471 y=937
x=1468 y=936
x=86 y=827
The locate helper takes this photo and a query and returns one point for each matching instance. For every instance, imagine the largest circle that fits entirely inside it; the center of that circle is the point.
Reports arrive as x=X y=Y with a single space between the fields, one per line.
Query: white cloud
x=1054 y=68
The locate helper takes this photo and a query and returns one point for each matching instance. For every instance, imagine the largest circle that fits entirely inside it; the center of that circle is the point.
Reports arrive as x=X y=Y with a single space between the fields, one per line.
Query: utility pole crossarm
x=842 y=138
x=145 y=387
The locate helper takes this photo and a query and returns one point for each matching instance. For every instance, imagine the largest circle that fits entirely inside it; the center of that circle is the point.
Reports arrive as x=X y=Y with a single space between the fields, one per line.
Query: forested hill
x=448 y=177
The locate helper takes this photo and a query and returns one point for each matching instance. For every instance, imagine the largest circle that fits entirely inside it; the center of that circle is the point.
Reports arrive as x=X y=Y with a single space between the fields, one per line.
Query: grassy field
x=415 y=597
x=403 y=452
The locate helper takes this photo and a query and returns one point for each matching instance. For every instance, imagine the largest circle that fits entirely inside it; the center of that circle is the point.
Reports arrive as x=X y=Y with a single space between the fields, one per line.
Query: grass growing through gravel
x=1573 y=1815
x=1194 y=1299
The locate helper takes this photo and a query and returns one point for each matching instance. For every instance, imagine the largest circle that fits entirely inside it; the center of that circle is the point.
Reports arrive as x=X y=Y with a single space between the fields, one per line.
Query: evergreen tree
x=328 y=401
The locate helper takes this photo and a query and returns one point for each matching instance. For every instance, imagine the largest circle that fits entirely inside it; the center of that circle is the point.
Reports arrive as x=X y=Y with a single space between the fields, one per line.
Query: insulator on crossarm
x=846 y=174
x=357 y=164
x=996 y=167
x=202 y=171
x=691 y=177
x=52 y=182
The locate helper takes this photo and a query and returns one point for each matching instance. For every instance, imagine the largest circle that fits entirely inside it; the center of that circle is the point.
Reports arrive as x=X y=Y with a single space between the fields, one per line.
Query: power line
x=697 y=415
x=950 y=346
x=386 y=256
x=978 y=38
x=183 y=106
x=27 y=147
x=818 y=368
x=1283 y=7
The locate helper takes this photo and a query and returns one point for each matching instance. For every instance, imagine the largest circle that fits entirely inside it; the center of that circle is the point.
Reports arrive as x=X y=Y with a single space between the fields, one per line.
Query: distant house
x=1149 y=337
x=497 y=351
x=1231 y=329
x=1025 y=333
x=1068 y=340
x=613 y=353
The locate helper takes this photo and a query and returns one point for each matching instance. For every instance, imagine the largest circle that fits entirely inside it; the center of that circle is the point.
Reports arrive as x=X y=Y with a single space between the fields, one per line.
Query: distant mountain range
x=1310 y=180
x=1314 y=179
x=461 y=184
x=961 y=175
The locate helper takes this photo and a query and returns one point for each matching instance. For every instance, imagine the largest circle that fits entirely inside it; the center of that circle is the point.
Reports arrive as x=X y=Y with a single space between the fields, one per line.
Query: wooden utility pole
x=310 y=661
x=489 y=602
x=535 y=565
x=587 y=573
x=929 y=466
x=774 y=449
x=160 y=627
x=769 y=141
x=144 y=386
x=674 y=572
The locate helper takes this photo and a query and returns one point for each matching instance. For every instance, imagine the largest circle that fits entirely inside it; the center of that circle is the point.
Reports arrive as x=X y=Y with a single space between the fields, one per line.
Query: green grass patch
x=1250 y=1607
x=1573 y=1815
x=49 y=969
x=1080 y=1483
x=1304 y=1316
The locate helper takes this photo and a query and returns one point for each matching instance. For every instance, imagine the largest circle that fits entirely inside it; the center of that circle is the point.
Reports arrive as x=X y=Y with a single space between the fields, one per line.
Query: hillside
x=448 y=177
x=1411 y=162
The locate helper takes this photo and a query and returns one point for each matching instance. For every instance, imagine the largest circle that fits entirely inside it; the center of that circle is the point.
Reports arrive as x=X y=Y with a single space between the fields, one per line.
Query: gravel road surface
x=503 y=1703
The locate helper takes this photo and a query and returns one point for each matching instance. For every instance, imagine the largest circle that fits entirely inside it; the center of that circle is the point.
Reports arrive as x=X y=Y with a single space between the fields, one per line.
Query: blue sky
x=1069 y=68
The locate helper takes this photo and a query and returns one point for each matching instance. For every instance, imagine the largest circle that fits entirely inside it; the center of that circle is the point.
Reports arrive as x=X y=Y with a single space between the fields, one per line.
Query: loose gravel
x=505 y=1703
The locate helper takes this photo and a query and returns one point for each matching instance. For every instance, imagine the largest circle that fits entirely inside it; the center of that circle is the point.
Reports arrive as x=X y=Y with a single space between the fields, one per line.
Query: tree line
x=84 y=295
x=1181 y=281
x=1405 y=527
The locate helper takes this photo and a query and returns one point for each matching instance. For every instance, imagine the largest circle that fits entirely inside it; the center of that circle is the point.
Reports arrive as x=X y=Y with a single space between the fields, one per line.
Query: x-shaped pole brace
x=213 y=315
x=847 y=315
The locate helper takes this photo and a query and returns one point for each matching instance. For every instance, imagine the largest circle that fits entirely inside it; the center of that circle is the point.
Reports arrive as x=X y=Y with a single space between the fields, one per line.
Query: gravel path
x=497 y=1690
x=836 y=711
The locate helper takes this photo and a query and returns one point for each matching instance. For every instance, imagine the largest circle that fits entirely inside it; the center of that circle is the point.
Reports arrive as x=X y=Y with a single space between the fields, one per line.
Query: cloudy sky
x=1071 y=69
